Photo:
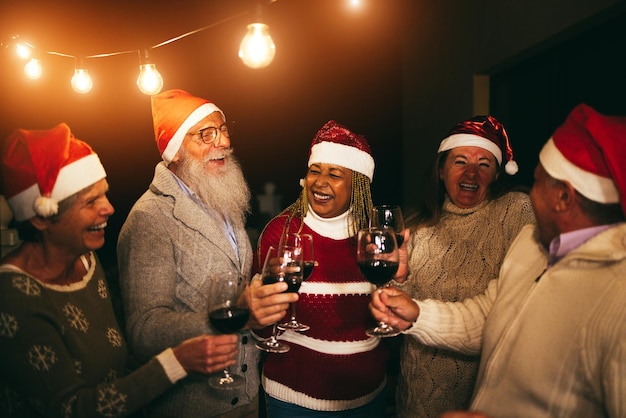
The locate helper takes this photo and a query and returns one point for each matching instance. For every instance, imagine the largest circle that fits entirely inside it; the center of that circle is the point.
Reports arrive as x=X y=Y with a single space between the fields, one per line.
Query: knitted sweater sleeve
x=454 y=325
x=63 y=355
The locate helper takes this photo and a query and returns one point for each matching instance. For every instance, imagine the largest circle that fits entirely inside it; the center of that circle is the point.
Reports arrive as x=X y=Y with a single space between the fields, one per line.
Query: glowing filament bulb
x=149 y=81
x=257 y=48
x=33 y=69
x=81 y=81
x=23 y=50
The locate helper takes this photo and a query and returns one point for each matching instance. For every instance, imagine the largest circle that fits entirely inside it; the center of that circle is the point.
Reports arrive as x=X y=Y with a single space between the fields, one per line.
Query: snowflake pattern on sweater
x=63 y=352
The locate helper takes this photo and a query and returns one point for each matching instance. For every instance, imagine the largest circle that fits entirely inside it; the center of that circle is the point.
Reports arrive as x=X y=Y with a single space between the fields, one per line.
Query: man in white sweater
x=551 y=329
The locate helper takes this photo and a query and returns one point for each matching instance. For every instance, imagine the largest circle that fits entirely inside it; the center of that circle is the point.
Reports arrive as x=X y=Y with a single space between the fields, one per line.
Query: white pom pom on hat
x=485 y=132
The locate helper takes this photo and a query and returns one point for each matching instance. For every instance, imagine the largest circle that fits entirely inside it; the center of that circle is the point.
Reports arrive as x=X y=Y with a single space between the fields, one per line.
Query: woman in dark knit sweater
x=63 y=354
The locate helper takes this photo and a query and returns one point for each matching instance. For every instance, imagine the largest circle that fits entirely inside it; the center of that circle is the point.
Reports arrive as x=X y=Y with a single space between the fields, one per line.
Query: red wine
x=293 y=280
x=308 y=269
x=229 y=320
x=378 y=272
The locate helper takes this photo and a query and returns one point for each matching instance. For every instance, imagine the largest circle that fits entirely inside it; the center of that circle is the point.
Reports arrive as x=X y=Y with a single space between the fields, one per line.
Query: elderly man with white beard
x=188 y=226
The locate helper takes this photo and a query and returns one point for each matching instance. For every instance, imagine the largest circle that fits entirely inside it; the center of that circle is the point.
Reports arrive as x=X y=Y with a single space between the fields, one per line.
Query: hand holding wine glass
x=226 y=316
x=281 y=265
x=377 y=256
x=305 y=243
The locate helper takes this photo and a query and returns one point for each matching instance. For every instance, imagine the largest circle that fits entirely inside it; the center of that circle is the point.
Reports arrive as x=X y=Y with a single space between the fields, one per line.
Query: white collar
x=335 y=228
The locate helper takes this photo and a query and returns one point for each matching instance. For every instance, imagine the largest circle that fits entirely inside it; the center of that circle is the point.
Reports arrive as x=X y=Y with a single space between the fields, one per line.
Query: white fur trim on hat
x=592 y=186
x=196 y=116
x=343 y=155
x=72 y=178
x=470 y=140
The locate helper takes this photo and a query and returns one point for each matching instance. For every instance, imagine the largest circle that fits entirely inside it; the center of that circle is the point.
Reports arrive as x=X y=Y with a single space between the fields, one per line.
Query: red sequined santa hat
x=588 y=152
x=485 y=132
x=336 y=144
x=174 y=112
x=40 y=168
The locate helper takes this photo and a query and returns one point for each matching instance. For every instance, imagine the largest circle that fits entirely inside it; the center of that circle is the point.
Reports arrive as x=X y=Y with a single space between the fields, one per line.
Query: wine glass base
x=293 y=326
x=383 y=331
x=226 y=382
x=272 y=346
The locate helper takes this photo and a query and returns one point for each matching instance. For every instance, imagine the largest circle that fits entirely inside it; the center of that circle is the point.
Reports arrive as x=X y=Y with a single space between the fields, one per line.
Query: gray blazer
x=168 y=249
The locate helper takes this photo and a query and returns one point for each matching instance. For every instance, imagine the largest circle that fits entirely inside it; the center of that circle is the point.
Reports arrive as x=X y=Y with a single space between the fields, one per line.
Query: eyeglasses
x=209 y=135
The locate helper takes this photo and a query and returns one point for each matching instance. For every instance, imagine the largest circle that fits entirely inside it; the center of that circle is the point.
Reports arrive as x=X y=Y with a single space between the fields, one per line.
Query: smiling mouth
x=323 y=197
x=469 y=187
x=97 y=228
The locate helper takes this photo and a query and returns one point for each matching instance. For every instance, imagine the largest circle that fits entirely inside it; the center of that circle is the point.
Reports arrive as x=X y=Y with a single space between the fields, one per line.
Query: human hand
x=403 y=258
x=393 y=307
x=267 y=303
x=207 y=353
x=463 y=414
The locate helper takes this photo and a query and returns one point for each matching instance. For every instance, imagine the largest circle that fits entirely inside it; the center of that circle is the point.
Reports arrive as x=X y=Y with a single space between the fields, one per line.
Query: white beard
x=222 y=189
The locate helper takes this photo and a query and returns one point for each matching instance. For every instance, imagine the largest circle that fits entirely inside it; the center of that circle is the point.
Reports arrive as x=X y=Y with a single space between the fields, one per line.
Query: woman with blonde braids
x=334 y=369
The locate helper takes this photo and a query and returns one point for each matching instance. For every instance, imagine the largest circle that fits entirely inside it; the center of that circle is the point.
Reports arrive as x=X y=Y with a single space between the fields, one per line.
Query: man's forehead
x=214 y=119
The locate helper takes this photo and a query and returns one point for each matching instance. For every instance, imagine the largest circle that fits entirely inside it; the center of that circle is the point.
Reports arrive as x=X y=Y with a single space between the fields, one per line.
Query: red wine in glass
x=293 y=280
x=304 y=244
x=308 y=269
x=226 y=317
x=378 y=272
x=229 y=320
x=281 y=265
x=378 y=260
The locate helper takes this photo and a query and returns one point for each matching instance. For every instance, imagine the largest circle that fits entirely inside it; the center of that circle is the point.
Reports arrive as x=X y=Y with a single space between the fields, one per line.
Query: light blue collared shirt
x=568 y=241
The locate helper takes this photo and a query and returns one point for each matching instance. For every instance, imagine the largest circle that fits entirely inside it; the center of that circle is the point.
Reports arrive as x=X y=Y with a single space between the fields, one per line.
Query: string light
x=81 y=81
x=23 y=50
x=257 y=49
x=33 y=69
x=149 y=81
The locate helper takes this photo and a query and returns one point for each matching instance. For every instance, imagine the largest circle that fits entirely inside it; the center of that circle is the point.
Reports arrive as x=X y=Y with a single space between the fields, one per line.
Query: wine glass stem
x=274 y=338
x=293 y=312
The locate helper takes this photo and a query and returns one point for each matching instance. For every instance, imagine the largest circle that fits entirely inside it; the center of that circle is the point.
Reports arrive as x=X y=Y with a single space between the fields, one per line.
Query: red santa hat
x=174 y=112
x=40 y=168
x=485 y=132
x=336 y=144
x=588 y=152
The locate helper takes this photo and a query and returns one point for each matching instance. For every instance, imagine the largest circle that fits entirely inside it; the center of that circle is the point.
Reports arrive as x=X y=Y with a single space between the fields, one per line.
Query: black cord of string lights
x=15 y=39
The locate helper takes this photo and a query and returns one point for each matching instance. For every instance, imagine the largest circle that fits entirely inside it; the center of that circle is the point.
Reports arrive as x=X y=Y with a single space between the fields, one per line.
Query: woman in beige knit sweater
x=457 y=243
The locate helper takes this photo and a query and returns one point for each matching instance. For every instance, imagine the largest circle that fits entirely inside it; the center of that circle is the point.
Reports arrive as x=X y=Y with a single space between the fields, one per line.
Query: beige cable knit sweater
x=451 y=261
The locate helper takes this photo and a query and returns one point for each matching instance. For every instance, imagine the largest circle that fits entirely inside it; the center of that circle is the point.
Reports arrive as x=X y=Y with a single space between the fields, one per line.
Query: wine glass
x=378 y=259
x=305 y=243
x=281 y=265
x=389 y=216
x=226 y=316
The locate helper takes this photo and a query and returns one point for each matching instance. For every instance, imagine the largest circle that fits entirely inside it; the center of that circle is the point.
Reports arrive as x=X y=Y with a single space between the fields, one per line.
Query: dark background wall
x=399 y=71
x=534 y=61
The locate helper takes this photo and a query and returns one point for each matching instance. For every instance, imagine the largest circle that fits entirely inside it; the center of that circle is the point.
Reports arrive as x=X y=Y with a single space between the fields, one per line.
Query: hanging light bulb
x=257 y=48
x=33 y=69
x=23 y=50
x=149 y=81
x=81 y=81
